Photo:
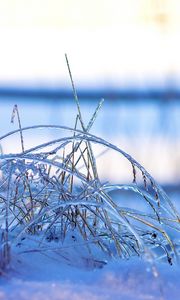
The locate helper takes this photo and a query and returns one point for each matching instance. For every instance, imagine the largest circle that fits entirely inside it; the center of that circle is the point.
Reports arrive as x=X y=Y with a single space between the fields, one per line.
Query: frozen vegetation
x=65 y=233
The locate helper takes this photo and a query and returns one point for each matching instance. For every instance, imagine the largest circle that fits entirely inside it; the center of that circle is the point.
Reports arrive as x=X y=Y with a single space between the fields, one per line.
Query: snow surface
x=35 y=276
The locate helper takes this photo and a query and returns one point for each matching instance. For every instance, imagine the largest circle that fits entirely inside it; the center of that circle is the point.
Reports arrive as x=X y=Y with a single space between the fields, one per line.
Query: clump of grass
x=51 y=197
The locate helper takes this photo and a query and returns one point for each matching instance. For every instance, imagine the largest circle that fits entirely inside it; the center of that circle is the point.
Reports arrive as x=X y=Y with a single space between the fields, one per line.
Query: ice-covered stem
x=89 y=149
x=16 y=112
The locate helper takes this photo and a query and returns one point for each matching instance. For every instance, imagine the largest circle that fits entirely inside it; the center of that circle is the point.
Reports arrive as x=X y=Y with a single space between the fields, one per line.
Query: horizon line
x=92 y=93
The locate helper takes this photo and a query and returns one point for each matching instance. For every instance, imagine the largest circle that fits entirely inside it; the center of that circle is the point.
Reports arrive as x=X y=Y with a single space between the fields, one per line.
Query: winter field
x=80 y=217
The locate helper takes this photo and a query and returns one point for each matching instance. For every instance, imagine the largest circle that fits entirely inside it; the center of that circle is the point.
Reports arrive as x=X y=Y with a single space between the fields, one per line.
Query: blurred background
x=126 y=52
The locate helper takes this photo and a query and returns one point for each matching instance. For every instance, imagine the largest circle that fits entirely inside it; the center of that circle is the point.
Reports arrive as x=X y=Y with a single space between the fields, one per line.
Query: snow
x=35 y=276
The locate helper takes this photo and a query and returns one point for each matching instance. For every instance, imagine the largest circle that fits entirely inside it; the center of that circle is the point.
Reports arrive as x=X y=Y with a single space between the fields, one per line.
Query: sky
x=109 y=43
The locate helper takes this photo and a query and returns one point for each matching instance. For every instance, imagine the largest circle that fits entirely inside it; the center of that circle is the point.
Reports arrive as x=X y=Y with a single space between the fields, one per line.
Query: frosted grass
x=52 y=198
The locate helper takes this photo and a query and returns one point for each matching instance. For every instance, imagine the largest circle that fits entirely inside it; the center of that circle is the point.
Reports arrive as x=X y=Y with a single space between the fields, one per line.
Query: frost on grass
x=53 y=202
